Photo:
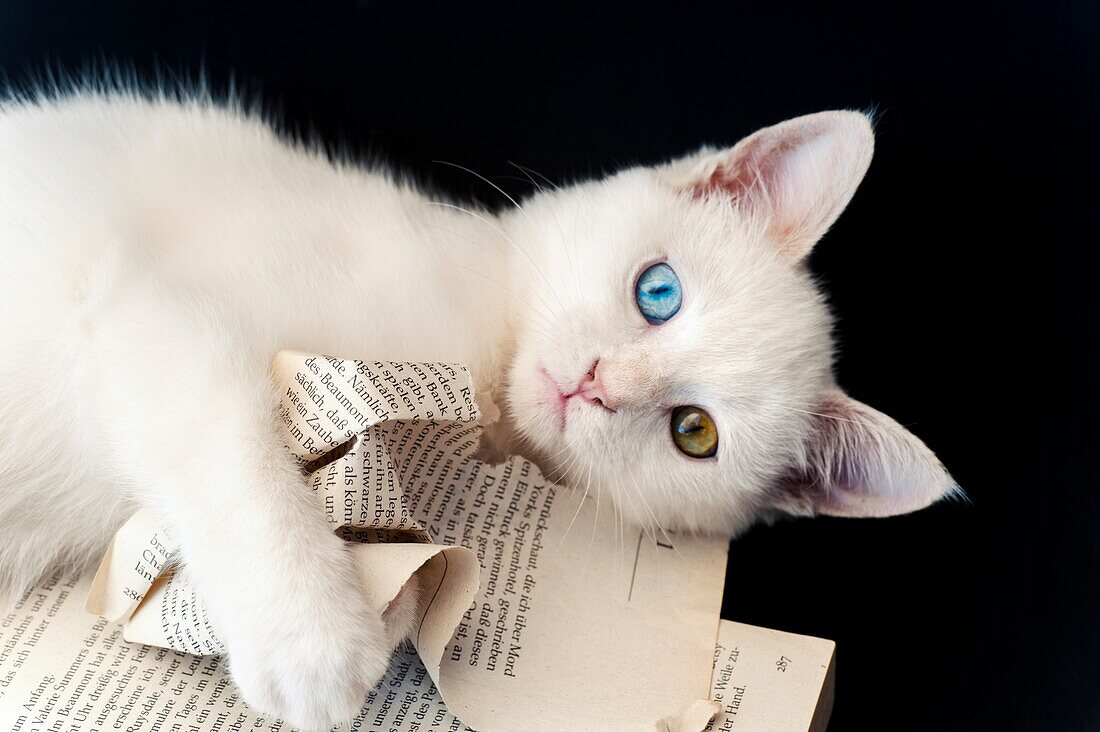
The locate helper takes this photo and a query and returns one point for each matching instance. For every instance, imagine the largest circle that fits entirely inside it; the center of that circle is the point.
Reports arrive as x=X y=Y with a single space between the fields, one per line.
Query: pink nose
x=591 y=388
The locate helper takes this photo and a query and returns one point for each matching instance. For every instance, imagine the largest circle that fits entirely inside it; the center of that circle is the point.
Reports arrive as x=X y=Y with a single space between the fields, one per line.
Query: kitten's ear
x=797 y=176
x=859 y=462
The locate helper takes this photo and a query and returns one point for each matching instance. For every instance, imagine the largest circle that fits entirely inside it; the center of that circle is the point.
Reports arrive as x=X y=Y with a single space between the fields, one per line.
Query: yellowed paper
x=770 y=680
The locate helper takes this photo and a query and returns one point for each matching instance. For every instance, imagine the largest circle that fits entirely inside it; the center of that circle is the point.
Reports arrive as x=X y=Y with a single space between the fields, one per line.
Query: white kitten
x=154 y=256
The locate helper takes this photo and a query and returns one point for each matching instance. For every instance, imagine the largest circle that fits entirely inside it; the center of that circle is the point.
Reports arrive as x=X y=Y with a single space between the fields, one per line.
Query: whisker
x=507 y=238
x=569 y=251
x=522 y=212
x=657 y=523
x=500 y=190
x=542 y=329
x=559 y=452
x=543 y=314
x=576 y=513
x=535 y=310
x=530 y=171
x=596 y=519
x=622 y=528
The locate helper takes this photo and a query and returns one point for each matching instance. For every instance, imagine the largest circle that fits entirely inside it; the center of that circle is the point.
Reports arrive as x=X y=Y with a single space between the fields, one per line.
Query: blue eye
x=658 y=293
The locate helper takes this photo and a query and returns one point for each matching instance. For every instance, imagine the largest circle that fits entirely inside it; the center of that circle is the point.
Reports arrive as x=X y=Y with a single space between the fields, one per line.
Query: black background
x=963 y=273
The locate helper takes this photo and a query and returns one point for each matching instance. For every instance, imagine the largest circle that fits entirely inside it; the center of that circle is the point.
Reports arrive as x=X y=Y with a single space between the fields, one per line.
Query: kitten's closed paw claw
x=316 y=671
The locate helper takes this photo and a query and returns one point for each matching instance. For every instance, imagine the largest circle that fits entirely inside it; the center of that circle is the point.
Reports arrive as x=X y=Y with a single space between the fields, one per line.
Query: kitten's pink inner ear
x=796 y=176
x=859 y=462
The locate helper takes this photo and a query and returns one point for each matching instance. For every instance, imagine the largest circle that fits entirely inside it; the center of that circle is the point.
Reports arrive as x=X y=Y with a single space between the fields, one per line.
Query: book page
x=542 y=611
x=770 y=680
x=63 y=670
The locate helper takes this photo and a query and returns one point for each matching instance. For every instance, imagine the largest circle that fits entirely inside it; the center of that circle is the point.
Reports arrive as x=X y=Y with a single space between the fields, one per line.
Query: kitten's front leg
x=302 y=645
x=280 y=587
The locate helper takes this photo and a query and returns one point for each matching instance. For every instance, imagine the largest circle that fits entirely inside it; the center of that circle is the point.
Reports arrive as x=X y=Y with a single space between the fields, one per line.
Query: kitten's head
x=677 y=353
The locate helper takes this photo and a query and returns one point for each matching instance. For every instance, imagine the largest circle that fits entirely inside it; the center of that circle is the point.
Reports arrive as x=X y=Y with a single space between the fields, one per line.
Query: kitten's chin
x=533 y=412
x=520 y=429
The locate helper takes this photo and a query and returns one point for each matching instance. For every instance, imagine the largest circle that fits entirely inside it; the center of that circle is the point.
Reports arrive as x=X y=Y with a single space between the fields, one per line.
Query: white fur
x=154 y=255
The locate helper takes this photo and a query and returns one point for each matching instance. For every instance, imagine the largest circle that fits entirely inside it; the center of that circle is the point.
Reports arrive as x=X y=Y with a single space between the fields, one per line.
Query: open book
x=541 y=611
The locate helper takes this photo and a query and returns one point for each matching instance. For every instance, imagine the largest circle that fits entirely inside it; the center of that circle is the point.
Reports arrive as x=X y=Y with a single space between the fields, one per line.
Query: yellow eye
x=694 y=432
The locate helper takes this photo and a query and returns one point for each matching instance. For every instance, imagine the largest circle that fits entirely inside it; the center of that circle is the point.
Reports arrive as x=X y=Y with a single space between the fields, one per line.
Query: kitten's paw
x=316 y=672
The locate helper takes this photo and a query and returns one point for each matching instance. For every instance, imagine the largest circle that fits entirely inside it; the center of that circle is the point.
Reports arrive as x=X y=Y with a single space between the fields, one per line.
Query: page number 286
x=782 y=664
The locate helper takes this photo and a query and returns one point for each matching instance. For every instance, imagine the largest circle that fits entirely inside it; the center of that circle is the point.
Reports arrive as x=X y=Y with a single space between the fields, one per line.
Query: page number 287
x=782 y=664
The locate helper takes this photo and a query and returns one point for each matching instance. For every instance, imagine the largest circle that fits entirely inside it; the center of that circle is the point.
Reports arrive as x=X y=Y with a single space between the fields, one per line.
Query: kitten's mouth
x=559 y=398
